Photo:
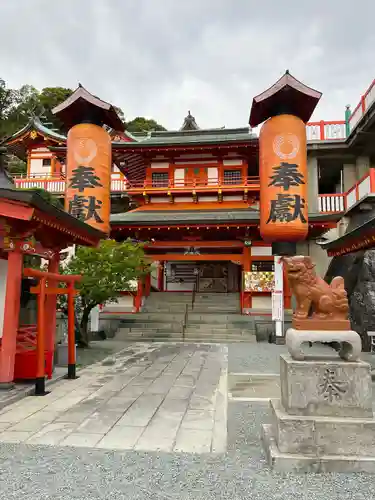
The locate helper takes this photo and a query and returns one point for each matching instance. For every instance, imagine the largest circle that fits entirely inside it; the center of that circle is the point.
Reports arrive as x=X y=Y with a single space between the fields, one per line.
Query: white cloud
x=162 y=58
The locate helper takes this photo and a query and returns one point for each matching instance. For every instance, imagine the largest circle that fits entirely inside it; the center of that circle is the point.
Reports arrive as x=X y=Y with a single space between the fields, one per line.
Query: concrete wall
x=318 y=255
x=362 y=166
x=349 y=175
x=313 y=184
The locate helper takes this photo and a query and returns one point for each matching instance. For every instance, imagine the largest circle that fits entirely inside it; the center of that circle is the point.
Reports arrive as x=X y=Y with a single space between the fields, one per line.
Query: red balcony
x=326 y=131
x=196 y=185
x=328 y=203
x=55 y=183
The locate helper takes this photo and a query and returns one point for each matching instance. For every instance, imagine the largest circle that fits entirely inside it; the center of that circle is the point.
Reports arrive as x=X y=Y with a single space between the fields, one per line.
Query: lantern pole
x=283 y=109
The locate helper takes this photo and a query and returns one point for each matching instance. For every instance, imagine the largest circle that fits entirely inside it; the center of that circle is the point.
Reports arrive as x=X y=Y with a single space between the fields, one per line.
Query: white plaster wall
x=259 y=251
x=212 y=175
x=232 y=162
x=262 y=302
x=179 y=175
x=36 y=167
x=233 y=197
x=3 y=284
x=183 y=199
x=154 y=274
x=163 y=199
x=159 y=164
x=207 y=198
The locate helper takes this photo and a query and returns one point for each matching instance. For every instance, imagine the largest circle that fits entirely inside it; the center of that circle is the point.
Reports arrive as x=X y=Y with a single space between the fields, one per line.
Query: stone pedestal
x=324 y=420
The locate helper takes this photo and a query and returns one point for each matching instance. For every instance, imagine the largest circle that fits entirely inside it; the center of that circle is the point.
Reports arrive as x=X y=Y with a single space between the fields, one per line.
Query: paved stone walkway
x=148 y=397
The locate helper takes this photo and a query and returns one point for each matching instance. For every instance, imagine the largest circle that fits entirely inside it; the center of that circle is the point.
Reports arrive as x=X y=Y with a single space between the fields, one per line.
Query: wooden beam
x=202 y=244
x=209 y=256
x=65 y=278
x=52 y=291
x=15 y=210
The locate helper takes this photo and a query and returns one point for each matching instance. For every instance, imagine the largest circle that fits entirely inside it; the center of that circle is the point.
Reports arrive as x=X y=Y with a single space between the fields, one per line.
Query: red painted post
x=147 y=284
x=363 y=104
x=51 y=304
x=372 y=180
x=161 y=276
x=322 y=132
x=246 y=296
x=40 y=380
x=71 y=334
x=11 y=317
x=138 y=297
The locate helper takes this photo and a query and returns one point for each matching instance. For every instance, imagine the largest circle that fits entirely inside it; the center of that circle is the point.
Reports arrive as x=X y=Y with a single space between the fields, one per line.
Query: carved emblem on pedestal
x=330 y=387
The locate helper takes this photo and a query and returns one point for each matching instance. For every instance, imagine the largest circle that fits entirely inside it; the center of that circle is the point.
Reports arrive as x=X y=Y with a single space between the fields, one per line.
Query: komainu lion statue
x=315 y=299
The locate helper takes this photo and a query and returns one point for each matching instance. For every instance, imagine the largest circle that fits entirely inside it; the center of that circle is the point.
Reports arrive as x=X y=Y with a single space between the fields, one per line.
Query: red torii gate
x=47 y=286
x=31 y=226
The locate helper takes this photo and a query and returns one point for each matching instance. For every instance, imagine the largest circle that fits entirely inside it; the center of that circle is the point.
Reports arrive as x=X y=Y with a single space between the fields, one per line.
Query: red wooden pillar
x=161 y=276
x=147 y=284
x=40 y=379
x=287 y=291
x=71 y=333
x=51 y=304
x=246 y=266
x=11 y=317
x=138 y=297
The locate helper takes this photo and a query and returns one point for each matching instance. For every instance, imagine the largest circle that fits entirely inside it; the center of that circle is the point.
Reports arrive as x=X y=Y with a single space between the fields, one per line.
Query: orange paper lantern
x=88 y=181
x=283 y=179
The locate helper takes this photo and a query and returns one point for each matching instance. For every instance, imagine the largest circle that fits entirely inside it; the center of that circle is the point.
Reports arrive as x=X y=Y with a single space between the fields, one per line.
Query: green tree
x=15 y=165
x=49 y=98
x=106 y=271
x=46 y=195
x=7 y=102
x=141 y=124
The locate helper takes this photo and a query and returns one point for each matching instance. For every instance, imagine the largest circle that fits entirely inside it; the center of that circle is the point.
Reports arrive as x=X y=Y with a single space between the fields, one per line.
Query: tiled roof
x=36 y=124
x=157 y=217
x=193 y=137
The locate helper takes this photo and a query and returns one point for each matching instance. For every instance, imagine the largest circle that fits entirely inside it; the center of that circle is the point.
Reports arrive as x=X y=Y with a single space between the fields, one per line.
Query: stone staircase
x=170 y=317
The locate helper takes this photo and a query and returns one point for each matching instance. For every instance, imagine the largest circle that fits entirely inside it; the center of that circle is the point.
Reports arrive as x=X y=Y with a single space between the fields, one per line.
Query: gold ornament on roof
x=33 y=134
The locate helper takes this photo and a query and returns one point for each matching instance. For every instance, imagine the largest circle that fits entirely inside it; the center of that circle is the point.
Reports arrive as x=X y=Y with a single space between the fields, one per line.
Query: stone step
x=301 y=463
x=192 y=340
x=148 y=331
x=215 y=333
x=196 y=318
x=152 y=316
x=316 y=436
x=150 y=324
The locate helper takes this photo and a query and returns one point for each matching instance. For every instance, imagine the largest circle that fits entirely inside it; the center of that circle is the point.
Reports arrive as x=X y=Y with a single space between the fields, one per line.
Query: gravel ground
x=242 y=473
x=40 y=473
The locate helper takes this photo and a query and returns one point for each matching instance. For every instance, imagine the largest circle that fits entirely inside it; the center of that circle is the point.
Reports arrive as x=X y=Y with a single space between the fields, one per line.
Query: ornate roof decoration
x=287 y=96
x=34 y=128
x=189 y=123
x=82 y=105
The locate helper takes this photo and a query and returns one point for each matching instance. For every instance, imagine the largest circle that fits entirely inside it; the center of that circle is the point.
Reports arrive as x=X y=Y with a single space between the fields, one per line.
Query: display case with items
x=261 y=278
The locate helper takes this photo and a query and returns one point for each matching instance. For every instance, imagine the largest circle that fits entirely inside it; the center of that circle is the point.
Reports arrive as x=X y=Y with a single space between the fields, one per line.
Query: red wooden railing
x=366 y=101
x=326 y=131
x=213 y=183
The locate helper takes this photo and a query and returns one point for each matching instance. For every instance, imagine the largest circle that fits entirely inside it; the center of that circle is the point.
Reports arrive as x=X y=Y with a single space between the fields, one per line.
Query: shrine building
x=192 y=196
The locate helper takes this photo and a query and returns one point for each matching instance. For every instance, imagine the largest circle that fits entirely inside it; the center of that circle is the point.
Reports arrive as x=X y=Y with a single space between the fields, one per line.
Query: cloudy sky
x=160 y=58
